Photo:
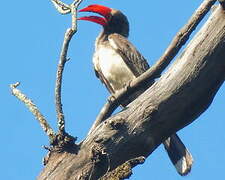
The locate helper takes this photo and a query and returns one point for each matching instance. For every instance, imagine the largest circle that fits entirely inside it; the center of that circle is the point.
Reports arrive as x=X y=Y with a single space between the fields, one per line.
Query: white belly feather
x=113 y=67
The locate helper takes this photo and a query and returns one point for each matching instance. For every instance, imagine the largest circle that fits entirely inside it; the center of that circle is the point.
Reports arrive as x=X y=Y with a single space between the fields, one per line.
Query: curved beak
x=99 y=9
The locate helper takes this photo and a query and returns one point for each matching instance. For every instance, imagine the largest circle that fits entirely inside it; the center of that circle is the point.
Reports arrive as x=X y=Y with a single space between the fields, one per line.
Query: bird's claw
x=127 y=85
x=111 y=98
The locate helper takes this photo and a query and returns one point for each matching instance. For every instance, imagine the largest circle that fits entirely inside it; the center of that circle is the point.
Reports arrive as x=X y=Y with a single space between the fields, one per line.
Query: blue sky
x=31 y=37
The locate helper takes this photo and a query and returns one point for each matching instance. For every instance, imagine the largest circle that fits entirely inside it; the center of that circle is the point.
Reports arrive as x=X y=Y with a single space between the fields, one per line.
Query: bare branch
x=179 y=40
x=104 y=114
x=156 y=70
x=61 y=7
x=180 y=95
x=63 y=59
x=61 y=122
x=74 y=7
x=123 y=171
x=33 y=109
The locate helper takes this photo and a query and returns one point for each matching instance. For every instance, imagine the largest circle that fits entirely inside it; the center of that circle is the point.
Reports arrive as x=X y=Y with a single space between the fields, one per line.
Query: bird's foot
x=127 y=85
x=111 y=98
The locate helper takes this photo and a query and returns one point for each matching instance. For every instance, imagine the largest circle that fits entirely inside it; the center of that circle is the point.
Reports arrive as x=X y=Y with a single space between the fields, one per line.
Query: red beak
x=99 y=9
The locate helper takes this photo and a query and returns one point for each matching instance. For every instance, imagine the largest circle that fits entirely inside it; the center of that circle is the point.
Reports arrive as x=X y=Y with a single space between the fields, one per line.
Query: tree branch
x=63 y=59
x=62 y=140
x=34 y=110
x=61 y=7
x=178 y=97
x=155 y=71
x=123 y=171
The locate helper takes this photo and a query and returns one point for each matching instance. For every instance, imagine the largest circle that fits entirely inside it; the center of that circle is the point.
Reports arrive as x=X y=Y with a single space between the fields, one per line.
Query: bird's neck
x=102 y=36
x=102 y=39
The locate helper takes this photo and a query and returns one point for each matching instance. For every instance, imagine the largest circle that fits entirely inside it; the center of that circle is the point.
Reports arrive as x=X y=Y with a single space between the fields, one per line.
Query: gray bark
x=175 y=100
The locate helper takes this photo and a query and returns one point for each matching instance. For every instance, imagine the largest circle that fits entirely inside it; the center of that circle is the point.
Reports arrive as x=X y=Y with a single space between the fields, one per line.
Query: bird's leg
x=127 y=85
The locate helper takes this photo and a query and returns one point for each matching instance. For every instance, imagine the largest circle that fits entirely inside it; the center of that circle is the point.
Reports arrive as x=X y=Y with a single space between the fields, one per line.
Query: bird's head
x=113 y=21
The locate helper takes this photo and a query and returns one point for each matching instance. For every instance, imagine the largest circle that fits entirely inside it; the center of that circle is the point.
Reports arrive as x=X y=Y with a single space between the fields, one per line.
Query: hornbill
x=116 y=62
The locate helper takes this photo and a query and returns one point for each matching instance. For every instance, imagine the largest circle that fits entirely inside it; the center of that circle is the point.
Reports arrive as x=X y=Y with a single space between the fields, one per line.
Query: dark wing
x=134 y=60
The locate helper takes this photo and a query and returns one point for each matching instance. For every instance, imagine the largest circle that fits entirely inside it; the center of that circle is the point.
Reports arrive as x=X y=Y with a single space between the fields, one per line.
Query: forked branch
x=61 y=140
x=178 y=97
x=61 y=7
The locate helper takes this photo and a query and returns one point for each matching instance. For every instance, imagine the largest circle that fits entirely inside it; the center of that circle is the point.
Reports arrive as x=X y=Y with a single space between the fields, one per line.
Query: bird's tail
x=178 y=154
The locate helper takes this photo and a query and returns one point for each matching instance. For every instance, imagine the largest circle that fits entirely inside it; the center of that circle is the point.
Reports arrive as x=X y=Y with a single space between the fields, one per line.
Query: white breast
x=113 y=67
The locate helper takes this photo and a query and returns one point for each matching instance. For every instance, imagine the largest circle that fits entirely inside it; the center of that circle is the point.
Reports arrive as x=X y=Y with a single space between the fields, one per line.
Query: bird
x=117 y=62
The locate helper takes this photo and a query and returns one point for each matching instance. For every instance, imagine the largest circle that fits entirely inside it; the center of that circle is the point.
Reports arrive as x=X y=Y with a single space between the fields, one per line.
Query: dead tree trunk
x=182 y=93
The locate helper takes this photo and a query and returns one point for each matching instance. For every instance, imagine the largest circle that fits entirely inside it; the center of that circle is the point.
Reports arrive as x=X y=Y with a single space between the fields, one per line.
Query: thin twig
x=74 y=7
x=156 y=70
x=124 y=171
x=63 y=59
x=33 y=109
x=61 y=7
